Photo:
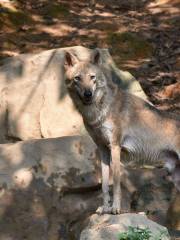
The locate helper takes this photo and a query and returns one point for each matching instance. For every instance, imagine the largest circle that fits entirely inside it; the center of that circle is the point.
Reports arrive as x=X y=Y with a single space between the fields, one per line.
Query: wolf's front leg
x=105 y=164
x=116 y=168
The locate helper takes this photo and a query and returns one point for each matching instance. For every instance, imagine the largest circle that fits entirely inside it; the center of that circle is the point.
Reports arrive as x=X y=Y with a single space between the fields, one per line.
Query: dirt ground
x=142 y=35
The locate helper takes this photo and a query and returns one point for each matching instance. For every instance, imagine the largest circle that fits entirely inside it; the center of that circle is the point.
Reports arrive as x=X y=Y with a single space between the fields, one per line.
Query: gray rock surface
x=64 y=163
x=45 y=185
x=48 y=187
x=107 y=227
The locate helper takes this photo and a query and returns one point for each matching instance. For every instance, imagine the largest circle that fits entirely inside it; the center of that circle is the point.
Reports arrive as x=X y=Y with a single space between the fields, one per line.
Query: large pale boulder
x=108 y=227
x=33 y=98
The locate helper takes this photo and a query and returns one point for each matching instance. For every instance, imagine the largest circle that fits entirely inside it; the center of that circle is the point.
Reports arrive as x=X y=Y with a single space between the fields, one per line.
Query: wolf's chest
x=105 y=132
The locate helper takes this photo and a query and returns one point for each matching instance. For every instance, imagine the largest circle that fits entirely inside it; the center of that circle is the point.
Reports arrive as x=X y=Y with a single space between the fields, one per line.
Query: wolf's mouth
x=87 y=101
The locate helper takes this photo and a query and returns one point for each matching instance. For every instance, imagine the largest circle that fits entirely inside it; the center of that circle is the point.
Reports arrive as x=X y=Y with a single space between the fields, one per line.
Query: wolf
x=125 y=128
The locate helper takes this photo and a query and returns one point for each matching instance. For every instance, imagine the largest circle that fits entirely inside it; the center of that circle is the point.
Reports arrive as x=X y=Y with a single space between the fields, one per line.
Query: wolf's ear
x=70 y=59
x=96 y=57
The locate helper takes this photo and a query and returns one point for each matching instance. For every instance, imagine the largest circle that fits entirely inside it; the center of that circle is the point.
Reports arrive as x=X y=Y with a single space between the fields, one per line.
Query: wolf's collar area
x=97 y=124
x=100 y=120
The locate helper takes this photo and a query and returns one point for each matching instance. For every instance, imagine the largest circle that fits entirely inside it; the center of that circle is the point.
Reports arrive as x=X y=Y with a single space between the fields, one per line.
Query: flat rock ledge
x=108 y=227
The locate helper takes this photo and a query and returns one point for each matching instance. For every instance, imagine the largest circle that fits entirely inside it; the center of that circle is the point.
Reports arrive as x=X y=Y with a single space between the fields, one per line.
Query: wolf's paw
x=123 y=211
x=116 y=208
x=103 y=210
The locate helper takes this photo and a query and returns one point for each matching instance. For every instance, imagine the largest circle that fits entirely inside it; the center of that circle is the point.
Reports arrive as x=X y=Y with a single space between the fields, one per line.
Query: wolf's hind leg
x=172 y=163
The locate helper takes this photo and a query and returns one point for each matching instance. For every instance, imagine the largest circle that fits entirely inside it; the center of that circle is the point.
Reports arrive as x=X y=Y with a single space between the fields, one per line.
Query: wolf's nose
x=87 y=93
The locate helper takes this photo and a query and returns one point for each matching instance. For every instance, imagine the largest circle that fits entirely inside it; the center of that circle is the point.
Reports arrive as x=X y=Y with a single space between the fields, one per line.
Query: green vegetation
x=136 y=233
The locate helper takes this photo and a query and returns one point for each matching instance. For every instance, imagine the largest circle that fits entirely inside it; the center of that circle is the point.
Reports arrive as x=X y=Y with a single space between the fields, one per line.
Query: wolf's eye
x=77 y=78
x=93 y=77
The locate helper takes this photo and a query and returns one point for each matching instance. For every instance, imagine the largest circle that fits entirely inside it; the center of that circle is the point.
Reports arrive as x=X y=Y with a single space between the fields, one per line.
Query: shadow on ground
x=142 y=37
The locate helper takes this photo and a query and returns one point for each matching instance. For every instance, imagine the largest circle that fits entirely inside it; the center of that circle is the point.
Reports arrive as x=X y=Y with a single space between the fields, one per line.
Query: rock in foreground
x=44 y=184
x=108 y=227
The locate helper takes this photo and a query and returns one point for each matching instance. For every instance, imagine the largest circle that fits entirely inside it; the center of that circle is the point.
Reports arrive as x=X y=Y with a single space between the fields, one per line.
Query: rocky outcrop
x=45 y=185
x=108 y=227
x=33 y=98
x=64 y=163
x=48 y=187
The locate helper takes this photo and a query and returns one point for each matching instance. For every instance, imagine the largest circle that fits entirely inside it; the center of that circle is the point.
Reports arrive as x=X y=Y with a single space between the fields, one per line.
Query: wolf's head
x=84 y=78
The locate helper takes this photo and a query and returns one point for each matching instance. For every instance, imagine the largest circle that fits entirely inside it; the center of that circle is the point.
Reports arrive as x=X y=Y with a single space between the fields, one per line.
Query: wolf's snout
x=88 y=94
